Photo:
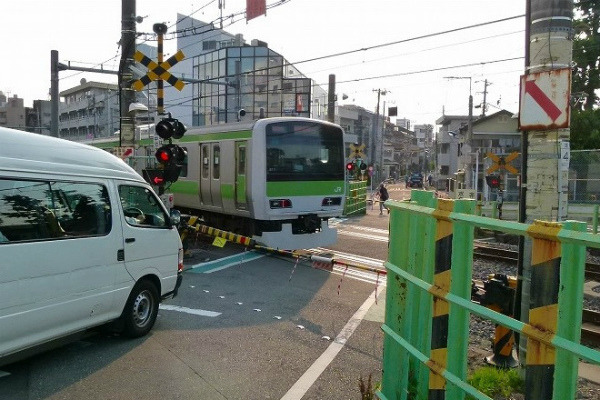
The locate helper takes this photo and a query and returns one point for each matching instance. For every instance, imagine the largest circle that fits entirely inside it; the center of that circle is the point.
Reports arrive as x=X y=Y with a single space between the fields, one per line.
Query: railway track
x=590 y=329
x=484 y=250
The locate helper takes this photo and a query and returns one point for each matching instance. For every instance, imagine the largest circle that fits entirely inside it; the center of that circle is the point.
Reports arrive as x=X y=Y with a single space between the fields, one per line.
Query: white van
x=83 y=241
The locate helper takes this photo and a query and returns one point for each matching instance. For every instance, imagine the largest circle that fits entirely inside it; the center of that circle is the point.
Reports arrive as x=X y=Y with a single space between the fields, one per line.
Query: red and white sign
x=544 y=101
x=255 y=8
x=124 y=152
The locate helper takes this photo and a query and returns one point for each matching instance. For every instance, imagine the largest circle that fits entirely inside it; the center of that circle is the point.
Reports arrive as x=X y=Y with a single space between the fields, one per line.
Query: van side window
x=84 y=208
x=42 y=210
x=142 y=208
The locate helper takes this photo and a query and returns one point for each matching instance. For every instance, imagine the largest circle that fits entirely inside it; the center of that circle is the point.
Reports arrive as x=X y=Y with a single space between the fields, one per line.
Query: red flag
x=255 y=8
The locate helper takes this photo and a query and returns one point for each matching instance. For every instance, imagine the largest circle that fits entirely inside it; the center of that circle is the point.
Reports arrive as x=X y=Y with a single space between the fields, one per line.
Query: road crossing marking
x=203 y=313
x=363 y=235
x=373 y=262
x=368 y=229
x=225 y=262
x=368 y=277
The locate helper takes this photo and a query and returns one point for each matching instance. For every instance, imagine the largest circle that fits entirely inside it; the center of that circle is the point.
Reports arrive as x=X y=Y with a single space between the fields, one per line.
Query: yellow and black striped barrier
x=318 y=261
x=499 y=297
x=543 y=310
x=441 y=281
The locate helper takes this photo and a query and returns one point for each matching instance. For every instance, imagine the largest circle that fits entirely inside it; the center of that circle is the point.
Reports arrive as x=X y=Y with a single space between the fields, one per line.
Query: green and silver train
x=278 y=180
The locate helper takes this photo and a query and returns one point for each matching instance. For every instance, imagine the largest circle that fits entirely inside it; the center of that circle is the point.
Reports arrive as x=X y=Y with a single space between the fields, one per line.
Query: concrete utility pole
x=374 y=133
x=484 y=105
x=126 y=92
x=331 y=99
x=54 y=93
x=468 y=140
x=543 y=191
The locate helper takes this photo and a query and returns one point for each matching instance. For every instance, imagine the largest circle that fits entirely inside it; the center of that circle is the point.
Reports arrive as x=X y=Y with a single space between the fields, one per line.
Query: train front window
x=304 y=151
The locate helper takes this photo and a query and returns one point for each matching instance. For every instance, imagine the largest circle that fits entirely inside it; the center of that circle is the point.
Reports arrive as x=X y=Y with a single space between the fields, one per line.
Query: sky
x=408 y=49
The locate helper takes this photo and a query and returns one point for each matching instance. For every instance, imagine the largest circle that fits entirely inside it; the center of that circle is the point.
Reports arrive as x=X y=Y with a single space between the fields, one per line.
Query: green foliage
x=585 y=129
x=586 y=52
x=493 y=381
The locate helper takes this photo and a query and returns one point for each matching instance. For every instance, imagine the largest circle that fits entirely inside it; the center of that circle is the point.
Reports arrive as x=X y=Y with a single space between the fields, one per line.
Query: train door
x=215 y=182
x=240 y=175
x=205 y=174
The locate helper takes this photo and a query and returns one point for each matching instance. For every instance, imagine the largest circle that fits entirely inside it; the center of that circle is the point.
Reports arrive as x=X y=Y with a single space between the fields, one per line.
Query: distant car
x=415 y=181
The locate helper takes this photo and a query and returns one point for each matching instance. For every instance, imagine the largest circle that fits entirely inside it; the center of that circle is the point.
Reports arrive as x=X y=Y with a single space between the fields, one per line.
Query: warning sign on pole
x=544 y=101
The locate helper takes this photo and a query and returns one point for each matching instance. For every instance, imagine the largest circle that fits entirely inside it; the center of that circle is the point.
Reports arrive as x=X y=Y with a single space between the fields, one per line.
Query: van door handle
x=129 y=240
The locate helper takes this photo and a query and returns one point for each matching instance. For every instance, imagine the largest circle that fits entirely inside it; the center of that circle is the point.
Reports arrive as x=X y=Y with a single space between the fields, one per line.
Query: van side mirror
x=175 y=217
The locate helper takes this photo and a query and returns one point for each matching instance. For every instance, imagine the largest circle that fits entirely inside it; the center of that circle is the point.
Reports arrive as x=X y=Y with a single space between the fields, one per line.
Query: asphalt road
x=254 y=327
x=244 y=326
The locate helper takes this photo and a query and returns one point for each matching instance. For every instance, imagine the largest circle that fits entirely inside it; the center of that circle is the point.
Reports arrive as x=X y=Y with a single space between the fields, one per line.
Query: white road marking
x=193 y=311
x=374 y=262
x=368 y=229
x=363 y=235
x=299 y=389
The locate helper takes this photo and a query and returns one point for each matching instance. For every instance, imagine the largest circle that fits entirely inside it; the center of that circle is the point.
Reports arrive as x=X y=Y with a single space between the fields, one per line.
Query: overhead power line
x=430 y=35
x=431 y=70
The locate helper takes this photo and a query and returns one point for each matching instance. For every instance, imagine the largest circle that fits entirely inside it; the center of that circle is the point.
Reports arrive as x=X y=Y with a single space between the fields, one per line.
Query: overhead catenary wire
x=184 y=101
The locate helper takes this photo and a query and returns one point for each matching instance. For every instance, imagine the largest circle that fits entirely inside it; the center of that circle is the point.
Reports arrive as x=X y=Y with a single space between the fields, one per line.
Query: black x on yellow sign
x=357 y=151
x=156 y=72
x=503 y=163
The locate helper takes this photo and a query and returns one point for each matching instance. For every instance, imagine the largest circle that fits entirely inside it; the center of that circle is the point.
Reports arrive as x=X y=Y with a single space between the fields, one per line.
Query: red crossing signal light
x=493 y=181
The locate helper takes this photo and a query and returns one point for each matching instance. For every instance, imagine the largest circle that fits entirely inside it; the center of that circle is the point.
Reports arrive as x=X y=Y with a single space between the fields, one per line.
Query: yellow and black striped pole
x=543 y=309
x=499 y=297
x=441 y=281
x=160 y=30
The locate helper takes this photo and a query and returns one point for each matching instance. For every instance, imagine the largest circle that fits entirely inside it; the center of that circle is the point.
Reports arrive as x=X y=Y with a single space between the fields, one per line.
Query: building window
x=209 y=45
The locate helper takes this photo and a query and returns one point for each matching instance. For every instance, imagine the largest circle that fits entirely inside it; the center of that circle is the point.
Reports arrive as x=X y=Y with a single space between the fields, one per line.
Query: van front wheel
x=141 y=309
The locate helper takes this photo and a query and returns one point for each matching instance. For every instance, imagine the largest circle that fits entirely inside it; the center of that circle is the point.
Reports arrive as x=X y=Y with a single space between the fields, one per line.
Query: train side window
x=205 y=161
x=216 y=162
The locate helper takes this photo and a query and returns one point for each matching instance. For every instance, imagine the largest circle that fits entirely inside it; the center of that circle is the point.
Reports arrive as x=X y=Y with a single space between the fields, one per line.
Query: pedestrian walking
x=429 y=179
x=383 y=196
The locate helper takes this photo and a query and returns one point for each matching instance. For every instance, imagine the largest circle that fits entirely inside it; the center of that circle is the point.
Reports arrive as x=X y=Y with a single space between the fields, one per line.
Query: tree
x=586 y=52
x=585 y=129
x=585 y=115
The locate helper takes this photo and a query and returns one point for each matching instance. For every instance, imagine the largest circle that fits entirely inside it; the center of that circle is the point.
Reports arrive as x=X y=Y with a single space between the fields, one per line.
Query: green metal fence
x=356 y=198
x=428 y=301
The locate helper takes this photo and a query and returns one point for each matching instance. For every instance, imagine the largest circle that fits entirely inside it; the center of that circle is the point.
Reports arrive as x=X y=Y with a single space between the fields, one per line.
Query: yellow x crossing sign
x=501 y=162
x=156 y=71
x=357 y=151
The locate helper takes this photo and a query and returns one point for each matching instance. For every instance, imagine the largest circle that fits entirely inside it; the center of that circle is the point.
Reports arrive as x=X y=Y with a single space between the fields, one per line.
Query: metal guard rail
x=428 y=301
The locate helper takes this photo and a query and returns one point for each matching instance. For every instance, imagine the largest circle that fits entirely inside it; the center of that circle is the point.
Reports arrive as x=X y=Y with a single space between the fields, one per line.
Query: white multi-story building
x=225 y=74
x=89 y=110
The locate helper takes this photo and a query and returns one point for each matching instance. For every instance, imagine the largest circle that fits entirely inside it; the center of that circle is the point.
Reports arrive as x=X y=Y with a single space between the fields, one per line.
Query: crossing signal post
x=170 y=157
x=495 y=182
